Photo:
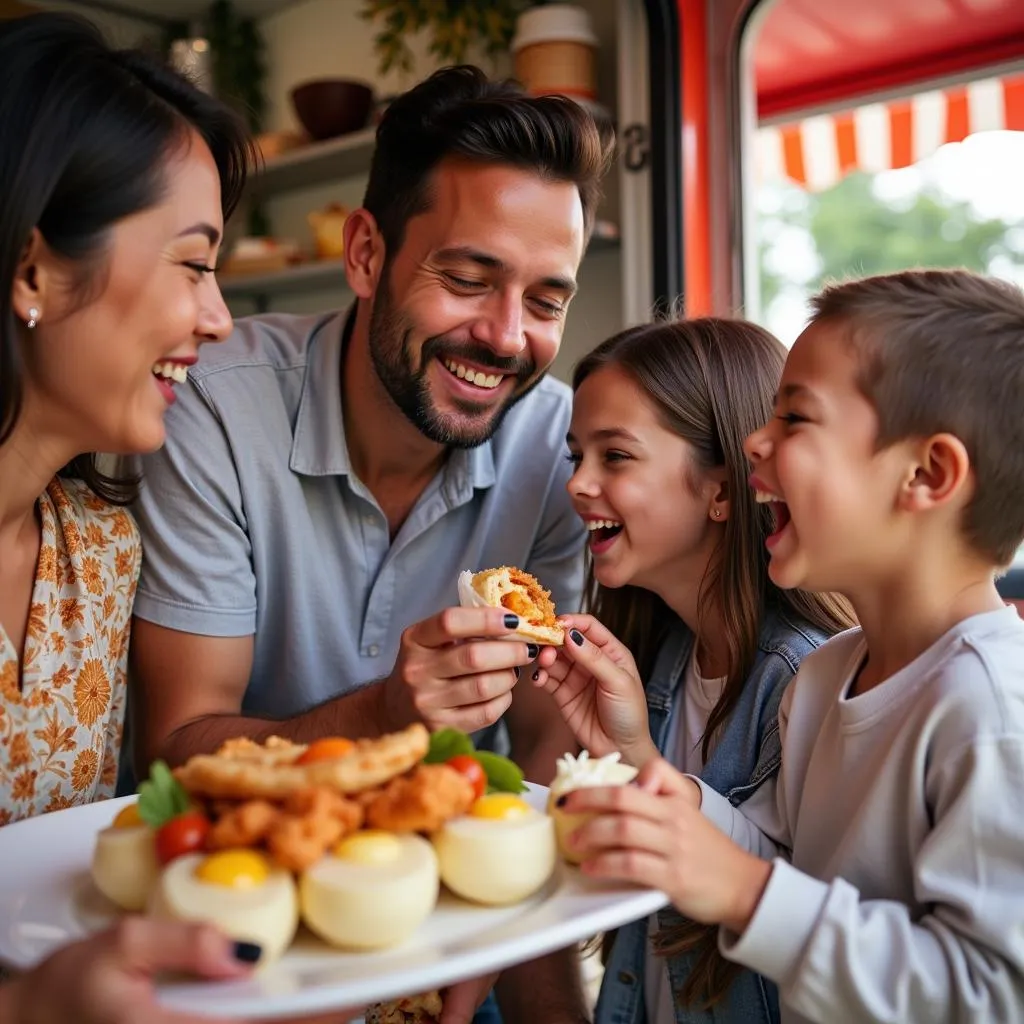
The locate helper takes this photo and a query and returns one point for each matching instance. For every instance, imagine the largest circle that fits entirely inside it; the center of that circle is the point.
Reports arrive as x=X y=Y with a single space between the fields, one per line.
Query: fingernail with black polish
x=515 y=669
x=560 y=802
x=247 y=952
x=576 y=637
x=536 y=675
x=532 y=651
x=511 y=621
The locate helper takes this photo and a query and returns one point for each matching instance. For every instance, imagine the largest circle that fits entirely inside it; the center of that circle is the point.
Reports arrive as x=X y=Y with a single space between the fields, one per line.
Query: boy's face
x=833 y=494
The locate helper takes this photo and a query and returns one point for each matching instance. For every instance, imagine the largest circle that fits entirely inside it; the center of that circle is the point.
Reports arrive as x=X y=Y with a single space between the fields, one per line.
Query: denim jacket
x=747 y=752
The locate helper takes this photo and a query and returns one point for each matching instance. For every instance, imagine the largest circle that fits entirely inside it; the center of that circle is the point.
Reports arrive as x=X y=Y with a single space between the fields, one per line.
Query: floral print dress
x=60 y=726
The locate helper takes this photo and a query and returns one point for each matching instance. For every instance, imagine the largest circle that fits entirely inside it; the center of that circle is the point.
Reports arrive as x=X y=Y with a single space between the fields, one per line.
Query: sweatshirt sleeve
x=837 y=957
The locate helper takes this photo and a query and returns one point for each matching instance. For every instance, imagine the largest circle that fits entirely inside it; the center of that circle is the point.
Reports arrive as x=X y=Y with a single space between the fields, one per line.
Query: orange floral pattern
x=62 y=708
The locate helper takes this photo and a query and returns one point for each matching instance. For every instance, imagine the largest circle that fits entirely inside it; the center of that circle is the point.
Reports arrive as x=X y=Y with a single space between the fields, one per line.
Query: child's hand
x=597 y=688
x=652 y=833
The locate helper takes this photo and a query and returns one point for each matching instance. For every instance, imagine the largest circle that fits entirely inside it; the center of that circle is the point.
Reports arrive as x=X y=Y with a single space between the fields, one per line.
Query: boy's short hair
x=942 y=351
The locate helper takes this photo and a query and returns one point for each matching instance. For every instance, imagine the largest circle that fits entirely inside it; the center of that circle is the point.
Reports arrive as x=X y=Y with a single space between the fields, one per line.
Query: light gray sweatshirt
x=896 y=824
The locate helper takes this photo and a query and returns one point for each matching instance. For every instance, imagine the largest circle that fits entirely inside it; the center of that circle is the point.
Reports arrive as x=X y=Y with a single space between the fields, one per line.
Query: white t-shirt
x=695 y=700
x=897 y=828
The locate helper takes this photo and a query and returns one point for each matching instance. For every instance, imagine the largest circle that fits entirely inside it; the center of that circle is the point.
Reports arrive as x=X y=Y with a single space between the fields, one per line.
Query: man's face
x=470 y=311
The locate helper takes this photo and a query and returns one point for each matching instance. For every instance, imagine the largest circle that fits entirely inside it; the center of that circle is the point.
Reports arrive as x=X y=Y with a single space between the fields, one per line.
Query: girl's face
x=650 y=510
x=100 y=373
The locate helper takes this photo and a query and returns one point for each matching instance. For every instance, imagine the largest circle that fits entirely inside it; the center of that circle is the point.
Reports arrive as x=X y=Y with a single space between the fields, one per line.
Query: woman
x=678 y=576
x=116 y=176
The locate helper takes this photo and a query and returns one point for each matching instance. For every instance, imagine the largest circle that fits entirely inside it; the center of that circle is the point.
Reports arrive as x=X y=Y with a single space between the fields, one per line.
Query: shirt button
x=369 y=519
x=627 y=978
x=373 y=650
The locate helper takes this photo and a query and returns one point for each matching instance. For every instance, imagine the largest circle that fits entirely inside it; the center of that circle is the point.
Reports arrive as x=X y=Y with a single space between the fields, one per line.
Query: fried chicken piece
x=520 y=592
x=421 y=801
x=422 y=1009
x=246 y=824
x=311 y=821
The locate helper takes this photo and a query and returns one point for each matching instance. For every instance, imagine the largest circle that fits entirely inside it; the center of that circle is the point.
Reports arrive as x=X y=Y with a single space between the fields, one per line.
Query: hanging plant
x=452 y=25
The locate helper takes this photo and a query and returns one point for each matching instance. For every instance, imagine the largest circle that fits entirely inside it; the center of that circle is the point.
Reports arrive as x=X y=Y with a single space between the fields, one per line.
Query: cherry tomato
x=326 y=750
x=472 y=770
x=184 y=834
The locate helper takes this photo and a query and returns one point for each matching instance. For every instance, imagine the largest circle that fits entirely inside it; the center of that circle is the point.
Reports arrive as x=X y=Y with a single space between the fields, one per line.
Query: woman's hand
x=597 y=688
x=108 y=978
x=652 y=833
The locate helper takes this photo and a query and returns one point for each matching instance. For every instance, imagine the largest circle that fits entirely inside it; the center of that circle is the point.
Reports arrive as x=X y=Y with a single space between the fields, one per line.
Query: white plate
x=47 y=899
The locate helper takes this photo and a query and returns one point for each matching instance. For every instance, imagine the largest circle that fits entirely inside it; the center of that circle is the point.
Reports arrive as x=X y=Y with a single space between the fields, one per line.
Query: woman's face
x=101 y=367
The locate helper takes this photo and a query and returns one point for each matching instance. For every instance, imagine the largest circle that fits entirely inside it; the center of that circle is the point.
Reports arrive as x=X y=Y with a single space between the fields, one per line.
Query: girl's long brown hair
x=712 y=382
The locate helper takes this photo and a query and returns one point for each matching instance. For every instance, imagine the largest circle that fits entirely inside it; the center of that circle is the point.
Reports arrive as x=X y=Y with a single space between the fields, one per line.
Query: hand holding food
x=598 y=690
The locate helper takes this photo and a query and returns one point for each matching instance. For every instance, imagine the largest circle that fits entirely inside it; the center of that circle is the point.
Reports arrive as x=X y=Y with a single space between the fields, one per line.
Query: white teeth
x=602 y=524
x=177 y=372
x=477 y=377
x=764 y=497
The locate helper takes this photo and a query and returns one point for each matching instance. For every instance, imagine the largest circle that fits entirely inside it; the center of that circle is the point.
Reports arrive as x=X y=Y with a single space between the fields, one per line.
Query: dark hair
x=459 y=112
x=712 y=382
x=942 y=351
x=86 y=131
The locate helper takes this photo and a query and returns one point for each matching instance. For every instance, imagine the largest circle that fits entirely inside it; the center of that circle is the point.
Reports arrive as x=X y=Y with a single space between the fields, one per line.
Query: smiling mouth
x=176 y=373
x=780 y=510
x=602 y=530
x=487 y=381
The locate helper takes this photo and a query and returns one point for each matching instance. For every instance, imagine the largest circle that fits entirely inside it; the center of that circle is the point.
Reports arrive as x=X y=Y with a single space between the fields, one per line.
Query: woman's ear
x=31 y=280
x=718 y=510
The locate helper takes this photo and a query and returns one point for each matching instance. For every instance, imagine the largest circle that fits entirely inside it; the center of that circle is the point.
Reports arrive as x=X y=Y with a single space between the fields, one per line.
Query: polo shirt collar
x=319 y=447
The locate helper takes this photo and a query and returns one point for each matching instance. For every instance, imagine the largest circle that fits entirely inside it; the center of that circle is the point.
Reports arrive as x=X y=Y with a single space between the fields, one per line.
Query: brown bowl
x=329 y=107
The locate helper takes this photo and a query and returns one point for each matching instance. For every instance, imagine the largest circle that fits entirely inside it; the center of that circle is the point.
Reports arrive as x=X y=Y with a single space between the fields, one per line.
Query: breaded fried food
x=244 y=770
x=421 y=801
x=518 y=592
x=422 y=1009
x=313 y=820
x=247 y=824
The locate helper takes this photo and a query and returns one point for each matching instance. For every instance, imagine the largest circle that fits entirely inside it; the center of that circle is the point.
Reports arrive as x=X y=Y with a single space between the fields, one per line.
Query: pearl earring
x=33 y=317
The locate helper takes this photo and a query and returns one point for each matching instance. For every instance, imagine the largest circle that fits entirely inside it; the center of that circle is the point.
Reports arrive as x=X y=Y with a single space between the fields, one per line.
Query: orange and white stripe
x=817 y=151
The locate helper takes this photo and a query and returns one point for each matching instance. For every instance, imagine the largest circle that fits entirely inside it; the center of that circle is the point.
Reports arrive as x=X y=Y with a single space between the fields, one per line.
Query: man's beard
x=409 y=389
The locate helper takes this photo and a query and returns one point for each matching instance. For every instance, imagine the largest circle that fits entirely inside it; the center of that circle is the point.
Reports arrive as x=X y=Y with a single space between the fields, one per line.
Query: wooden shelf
x=316 y=163
x=323 y=274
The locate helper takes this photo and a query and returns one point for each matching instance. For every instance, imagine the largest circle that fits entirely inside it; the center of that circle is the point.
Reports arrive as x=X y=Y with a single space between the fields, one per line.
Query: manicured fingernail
x=536 y=675
x=560 y=802
x=511 y=621
x=576 y=637
x=247 y=952
x=515 y=669
x=532 y=651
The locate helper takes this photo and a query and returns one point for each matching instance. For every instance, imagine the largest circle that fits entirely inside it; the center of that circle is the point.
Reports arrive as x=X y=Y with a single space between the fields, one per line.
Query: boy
x=892 y=881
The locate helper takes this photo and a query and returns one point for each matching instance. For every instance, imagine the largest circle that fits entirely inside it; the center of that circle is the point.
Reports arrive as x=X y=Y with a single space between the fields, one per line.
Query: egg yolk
x=128 y=817
x=499 y=807
x=234 y=869
x=326 y=750
x=369 y=847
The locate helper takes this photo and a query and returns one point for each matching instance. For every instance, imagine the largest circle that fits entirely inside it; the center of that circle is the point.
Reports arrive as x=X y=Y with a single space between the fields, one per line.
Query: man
x=326 y=478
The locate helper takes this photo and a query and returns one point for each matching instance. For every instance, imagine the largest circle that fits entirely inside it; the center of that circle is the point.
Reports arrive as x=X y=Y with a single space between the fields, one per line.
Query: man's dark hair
x=459 y=112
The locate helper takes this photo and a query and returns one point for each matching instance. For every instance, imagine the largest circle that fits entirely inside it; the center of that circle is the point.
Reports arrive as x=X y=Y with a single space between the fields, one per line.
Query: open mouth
x=486 y=381
x=176 y=373
x=602 y=533
x=780 y=513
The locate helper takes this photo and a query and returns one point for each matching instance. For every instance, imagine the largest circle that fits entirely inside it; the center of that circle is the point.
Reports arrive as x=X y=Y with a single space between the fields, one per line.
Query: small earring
x=717 y=513
x=33 y=318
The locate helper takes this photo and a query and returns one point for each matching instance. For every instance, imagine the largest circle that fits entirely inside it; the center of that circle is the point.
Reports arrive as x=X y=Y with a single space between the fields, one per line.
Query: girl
x=678 y=580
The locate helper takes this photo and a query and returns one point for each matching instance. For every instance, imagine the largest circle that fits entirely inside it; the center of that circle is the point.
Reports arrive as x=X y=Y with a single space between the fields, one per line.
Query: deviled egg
x=581 y=773
x=500 y=852
x=240 y=891
x=373 y=890
x=124 y=861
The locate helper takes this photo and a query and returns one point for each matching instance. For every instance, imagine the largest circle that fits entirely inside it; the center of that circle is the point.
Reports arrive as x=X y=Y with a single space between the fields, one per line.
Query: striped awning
x=817 y=151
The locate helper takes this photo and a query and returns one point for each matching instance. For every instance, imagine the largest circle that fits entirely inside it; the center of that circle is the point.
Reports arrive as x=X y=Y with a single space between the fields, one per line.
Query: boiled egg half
x=124 y=864
x=373 y=890
x=240 y=891
x=500 y=852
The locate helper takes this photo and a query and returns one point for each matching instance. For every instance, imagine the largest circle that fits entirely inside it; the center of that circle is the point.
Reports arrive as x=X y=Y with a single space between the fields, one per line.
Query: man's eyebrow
x=202 y=228
x=466 y=253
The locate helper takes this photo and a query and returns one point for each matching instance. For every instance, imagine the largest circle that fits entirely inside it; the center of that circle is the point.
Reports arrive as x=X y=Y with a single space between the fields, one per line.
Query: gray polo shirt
x=254 y=523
